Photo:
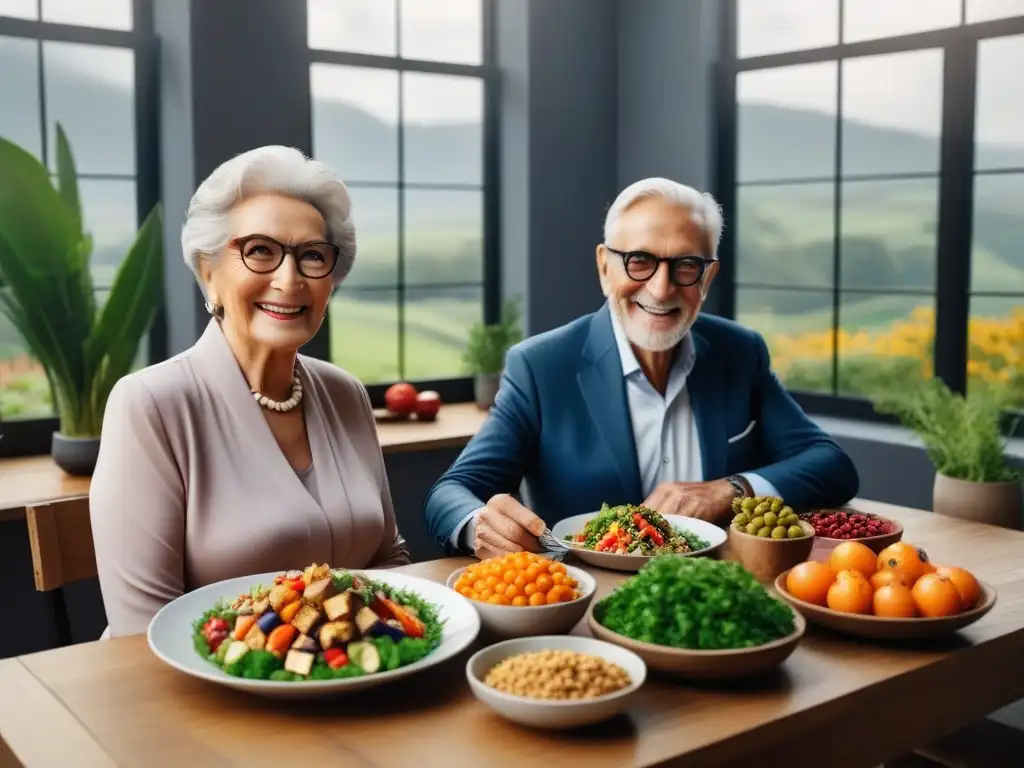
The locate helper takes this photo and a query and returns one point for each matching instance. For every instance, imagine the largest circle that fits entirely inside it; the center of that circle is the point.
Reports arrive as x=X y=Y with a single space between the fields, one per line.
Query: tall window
x=853 y=125
x=77 y=64
x=400 y=110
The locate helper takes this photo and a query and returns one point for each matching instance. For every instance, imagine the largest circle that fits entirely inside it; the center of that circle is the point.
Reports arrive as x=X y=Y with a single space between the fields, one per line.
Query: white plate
x=170 y=636
x=710 y=532
x=543 y=713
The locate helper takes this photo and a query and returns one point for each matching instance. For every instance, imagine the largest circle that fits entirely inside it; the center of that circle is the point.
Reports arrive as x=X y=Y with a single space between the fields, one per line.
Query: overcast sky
x=897 y=91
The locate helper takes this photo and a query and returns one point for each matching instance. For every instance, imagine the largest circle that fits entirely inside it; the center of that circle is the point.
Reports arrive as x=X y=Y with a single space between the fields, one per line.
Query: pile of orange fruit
x=520 y=579
x=898 y=582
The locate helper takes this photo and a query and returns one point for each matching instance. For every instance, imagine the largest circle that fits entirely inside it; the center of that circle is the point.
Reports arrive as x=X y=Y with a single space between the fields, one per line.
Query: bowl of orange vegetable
x=897 y=594
x=523 y=594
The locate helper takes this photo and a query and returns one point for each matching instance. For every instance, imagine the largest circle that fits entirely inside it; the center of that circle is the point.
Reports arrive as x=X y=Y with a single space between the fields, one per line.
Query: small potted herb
x=973 y=477
x=485 y=351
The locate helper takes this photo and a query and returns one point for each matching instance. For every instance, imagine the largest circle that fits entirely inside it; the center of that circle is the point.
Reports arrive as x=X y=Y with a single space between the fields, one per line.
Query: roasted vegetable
x=365 y=656
x=306 y=619
x=242 y=626
x=342 y=606
x=268 y=621
x=319 y=591
x=282 y=636
x=336 y=633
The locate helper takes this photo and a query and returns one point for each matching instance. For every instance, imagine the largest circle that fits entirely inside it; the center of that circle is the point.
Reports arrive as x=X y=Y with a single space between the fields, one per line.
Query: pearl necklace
x=285 y=405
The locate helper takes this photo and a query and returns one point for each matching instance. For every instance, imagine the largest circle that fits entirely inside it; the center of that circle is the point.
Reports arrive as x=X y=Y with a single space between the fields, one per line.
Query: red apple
x=427 y=405
x=400 y=399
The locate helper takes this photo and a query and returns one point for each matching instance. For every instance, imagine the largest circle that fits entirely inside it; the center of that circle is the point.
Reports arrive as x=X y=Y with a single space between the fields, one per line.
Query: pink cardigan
x=191 y=487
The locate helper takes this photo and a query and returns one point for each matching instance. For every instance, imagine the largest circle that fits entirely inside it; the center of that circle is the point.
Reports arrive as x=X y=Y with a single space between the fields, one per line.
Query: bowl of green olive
x=768 y=537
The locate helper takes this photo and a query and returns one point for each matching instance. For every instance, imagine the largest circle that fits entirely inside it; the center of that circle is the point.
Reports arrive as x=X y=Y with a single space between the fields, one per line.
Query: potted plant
x=973 y=478
x=484 y=355
x=47 y=293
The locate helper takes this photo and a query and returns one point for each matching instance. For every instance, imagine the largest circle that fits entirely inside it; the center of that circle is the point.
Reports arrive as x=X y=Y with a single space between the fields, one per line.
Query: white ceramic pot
x=990 y=503
x=485 y=388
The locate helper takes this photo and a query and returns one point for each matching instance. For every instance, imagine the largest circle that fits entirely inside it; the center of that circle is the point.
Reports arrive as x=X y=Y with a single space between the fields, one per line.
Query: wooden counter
x=38 y=480
x=836 y=702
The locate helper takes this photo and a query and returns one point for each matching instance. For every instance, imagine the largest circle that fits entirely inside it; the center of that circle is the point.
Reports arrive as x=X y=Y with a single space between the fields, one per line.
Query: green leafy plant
x=961 y=434
x=487 y=344
x=47 y=292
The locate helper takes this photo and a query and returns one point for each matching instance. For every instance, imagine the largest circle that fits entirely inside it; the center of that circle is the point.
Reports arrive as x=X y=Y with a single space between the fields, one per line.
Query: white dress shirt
x=664 y=429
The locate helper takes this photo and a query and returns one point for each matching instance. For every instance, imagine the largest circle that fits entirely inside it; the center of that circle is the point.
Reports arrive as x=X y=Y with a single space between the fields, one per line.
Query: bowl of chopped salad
x=314 y=632
x=626 y=537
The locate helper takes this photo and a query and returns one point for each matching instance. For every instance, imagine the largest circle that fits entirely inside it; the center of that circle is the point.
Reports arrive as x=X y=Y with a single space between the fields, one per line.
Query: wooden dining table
x=837 y=701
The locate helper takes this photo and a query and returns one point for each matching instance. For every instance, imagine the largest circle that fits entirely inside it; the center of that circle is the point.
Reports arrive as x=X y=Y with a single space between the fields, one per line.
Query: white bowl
x=170 y=636
x=529 y=620
x=710 y=532
x=544 y=713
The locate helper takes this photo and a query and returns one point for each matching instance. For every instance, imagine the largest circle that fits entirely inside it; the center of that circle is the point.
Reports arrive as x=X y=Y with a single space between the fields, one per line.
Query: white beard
x=644 y=337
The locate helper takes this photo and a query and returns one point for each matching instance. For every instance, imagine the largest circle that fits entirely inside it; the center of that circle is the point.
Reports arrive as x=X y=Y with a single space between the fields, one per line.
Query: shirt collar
x=684 y=360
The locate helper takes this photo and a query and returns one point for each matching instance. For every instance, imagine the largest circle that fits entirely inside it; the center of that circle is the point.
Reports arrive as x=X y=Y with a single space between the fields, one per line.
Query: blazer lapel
x=708 y=409
x=604 y=391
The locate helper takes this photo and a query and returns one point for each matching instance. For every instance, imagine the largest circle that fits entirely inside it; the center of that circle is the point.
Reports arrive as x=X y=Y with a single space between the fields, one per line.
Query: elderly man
x=643 y=401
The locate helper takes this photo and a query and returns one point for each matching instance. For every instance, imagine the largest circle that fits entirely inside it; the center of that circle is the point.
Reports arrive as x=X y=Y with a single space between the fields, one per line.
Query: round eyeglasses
x=684 y=271
x=314 y=259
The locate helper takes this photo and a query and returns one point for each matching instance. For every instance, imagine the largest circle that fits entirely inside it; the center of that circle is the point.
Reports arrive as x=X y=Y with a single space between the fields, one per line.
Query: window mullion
x=956 y=210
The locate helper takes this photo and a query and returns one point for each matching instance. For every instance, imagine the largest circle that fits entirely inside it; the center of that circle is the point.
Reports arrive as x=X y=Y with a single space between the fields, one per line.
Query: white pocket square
x=744 y=433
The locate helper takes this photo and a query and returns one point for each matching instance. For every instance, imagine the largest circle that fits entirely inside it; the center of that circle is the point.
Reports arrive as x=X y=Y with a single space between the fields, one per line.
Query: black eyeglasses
x=315 y=259
x=684 y=271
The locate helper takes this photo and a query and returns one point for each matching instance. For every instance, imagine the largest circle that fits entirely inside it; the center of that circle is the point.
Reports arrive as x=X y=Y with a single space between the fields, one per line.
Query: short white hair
x=703 y=208
x=267 y=170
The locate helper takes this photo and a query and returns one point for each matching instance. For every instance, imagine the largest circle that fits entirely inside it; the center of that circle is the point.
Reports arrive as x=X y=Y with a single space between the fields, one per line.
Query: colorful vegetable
x=630 y=530
x=335 y=658
x=282 y=636
x=288 y=612
x=242 y=626
x=278 y=634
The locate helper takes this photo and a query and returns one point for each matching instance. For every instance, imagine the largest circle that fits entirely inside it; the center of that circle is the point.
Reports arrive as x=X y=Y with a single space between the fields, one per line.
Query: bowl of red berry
x=832 y=526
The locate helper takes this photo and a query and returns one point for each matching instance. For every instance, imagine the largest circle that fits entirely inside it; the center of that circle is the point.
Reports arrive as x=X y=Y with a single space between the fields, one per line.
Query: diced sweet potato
x=281 y=595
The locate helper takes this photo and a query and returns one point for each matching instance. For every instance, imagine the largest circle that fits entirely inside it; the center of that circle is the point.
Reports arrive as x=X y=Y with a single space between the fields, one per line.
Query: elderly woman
x=240 y=456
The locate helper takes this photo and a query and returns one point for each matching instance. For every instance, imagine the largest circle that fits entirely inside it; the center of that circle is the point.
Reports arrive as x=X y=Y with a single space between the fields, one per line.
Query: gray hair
x=277 y=170
x=704 y=209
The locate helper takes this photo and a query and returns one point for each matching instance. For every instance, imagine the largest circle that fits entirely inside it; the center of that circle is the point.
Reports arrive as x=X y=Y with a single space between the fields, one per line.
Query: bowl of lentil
x=525 y=594
x=557 y=681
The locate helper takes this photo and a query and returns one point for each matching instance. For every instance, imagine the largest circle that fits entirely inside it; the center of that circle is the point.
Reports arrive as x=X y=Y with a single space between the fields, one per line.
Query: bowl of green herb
x=698 y=618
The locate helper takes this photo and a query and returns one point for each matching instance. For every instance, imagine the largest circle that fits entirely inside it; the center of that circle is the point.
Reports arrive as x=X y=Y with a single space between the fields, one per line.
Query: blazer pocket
x=744 y=433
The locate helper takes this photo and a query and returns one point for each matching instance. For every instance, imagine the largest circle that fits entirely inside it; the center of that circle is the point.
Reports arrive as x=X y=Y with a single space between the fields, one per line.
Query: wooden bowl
x=767 y=558
x=703 y=665
x=885 y=628
x=823 y=545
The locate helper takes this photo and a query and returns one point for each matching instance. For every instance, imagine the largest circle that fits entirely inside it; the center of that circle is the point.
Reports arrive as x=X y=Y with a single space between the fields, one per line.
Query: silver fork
x=557 y=549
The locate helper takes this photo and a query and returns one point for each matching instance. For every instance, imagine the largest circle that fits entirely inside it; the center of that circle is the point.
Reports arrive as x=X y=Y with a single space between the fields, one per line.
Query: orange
x=905 y=558
x=851 y=593
x=936 y=595
x=810 y=581
x=853 y=556
x=895 y=601
x=887 y=576
x=965 y=583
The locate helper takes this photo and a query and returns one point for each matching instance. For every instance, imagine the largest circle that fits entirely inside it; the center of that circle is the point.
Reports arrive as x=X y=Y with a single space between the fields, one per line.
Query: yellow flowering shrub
x=876 y=362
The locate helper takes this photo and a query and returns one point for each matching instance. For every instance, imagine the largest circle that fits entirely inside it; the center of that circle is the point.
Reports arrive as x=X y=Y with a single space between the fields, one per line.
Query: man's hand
x=706 y=501
x=504 y=526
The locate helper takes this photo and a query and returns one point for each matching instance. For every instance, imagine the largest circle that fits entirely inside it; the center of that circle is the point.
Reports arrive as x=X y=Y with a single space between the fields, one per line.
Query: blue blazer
x=561 y=423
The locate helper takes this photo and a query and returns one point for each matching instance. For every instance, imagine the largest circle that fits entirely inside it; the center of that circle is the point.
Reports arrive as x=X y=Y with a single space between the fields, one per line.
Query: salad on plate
x=317 y=624
x=631 y=530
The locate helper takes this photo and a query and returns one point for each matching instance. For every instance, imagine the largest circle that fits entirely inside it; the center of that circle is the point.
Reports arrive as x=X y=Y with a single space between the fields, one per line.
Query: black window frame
x=32 y=437
x=956 y=185
x=458 y=389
